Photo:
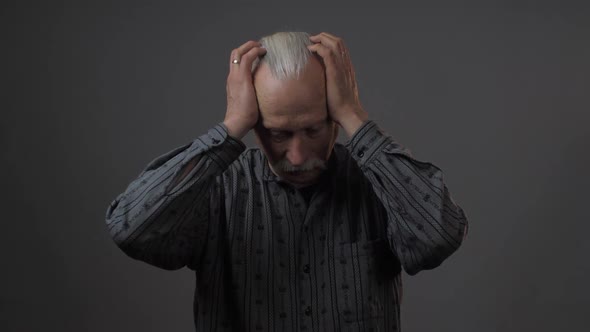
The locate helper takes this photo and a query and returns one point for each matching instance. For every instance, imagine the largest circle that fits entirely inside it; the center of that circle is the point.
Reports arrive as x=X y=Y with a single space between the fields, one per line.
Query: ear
x=336 y=129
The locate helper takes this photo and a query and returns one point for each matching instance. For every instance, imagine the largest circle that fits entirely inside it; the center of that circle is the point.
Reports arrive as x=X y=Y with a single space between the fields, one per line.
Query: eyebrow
x=281 y=129
x=312 y=126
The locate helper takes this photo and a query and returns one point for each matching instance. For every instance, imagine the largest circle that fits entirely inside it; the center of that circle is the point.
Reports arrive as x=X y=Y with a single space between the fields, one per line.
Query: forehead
x=293 y=122
x=292 y=103
x=292 y=111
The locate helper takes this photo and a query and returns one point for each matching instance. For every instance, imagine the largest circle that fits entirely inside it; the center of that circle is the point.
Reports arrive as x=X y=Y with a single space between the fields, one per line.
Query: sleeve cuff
x=222 y=148
x=369 y=140
x=362 y=144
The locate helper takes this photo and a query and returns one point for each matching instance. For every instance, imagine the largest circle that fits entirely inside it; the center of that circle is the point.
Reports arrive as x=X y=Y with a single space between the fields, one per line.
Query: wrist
x=235 y=130
x=353 y=121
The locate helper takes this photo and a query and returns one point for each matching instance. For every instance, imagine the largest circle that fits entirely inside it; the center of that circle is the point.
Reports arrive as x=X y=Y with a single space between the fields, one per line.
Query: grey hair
x=286 y=54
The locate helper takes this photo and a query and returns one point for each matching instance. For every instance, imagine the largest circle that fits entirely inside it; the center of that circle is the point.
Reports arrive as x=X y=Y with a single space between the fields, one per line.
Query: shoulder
x=248 y=165
x=250 y=157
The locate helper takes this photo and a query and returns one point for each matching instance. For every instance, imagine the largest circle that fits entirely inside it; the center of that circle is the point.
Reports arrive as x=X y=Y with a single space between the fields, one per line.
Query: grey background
x=496 y=94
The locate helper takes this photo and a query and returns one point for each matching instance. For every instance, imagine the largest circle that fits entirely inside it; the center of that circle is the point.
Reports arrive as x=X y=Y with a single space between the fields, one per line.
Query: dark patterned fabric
x=265 y=258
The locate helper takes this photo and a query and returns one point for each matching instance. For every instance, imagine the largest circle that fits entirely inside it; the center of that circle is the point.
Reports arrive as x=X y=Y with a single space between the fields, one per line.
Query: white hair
x=286 y=54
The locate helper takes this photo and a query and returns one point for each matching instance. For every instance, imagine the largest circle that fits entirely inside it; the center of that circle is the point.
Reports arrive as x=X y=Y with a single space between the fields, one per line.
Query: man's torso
x=275 y=262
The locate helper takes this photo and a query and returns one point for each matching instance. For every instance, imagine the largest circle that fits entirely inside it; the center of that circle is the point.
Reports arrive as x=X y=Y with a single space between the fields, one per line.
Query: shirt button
x=306 y=268
x=308 y=311
x=360 y=154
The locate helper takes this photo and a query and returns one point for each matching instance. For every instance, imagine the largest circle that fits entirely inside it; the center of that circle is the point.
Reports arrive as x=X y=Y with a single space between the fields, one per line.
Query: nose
x=298 y=151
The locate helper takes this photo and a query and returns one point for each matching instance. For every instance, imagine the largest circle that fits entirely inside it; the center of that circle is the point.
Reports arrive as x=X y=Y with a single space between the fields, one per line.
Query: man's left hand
x=344 y=105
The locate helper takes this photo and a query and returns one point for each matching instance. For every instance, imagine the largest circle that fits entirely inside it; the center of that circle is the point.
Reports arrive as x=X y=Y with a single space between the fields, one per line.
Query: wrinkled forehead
x=300 y=101
x=292 y=107
x=295 y=121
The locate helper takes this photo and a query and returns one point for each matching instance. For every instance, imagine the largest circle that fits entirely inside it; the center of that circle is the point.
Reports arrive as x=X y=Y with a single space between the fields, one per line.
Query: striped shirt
x=268 y=259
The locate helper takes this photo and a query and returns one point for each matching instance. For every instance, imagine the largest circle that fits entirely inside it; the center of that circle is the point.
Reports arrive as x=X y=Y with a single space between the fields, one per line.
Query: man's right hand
x=242 y=108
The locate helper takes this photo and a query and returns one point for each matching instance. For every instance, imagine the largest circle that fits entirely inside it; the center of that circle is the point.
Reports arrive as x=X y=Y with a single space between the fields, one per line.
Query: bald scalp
x=279 y=96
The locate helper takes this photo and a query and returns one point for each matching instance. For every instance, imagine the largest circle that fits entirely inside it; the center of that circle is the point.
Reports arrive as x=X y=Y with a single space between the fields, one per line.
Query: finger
x=335 y=65
x=248 y=58
x=329 y=35
x=343 y=50
x=324 y=40
x=237 y=53
x=333 y=42
x=325 y=53
x=337 y=46
x=326 y=34
x=247 y=46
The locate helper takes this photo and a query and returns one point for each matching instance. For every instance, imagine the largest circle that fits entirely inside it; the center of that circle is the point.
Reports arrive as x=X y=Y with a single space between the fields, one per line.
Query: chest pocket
x=364 y=280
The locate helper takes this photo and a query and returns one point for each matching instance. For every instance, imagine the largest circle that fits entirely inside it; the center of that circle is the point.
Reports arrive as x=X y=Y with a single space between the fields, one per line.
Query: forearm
x=424 y=223
x=221 y=144
x=169 y=199
x=353 y=121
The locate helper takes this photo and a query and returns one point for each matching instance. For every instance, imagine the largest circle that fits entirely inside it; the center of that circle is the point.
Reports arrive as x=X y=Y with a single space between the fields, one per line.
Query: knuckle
x=247 y=45
x=247 y=55
x=250 y=54
x=235 y=78
x=232 y=79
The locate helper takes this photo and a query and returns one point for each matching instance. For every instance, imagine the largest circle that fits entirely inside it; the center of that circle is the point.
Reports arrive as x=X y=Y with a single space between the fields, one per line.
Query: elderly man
x=304 y=233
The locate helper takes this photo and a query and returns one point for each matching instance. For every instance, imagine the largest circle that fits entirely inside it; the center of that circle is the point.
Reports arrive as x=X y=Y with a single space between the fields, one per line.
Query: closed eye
x=278 y=135
x=312 y=132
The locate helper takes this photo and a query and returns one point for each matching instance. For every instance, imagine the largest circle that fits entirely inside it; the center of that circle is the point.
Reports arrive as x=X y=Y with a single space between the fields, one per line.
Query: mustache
x=285 y=165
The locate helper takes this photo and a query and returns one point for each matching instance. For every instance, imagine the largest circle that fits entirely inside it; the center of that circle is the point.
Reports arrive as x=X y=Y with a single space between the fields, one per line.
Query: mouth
x=303 y=176
x=297 y=173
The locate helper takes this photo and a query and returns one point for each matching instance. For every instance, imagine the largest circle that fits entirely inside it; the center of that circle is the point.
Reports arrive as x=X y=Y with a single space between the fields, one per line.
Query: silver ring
x=236 y=61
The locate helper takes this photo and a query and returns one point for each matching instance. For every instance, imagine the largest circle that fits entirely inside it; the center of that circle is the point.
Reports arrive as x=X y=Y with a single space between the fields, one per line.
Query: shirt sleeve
x=166 y=225
x=424 y=224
